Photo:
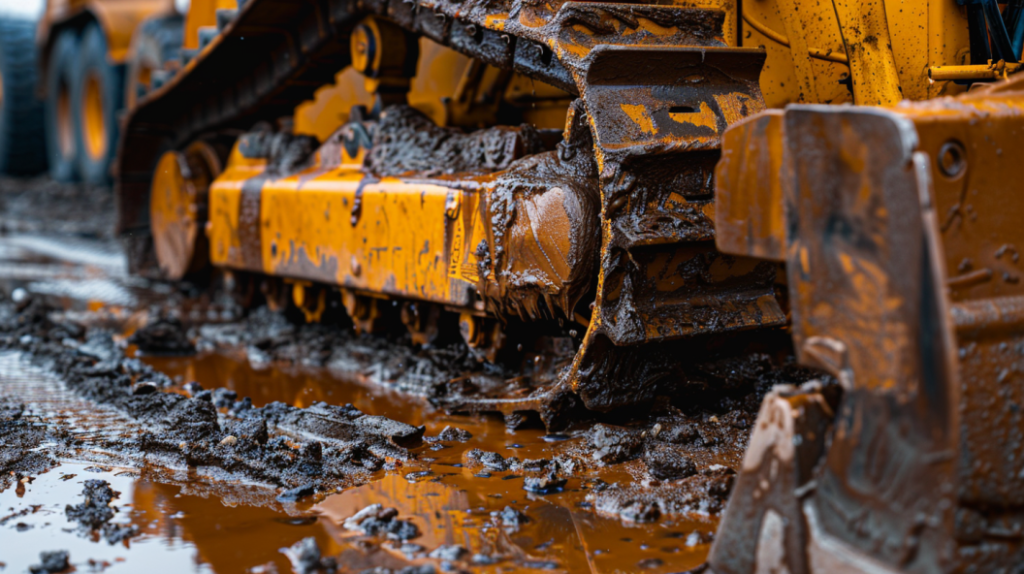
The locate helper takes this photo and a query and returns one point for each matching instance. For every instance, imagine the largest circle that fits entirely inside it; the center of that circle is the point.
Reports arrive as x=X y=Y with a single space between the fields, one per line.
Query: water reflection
x=298 y=386
x=188 y=524
x=452 y=505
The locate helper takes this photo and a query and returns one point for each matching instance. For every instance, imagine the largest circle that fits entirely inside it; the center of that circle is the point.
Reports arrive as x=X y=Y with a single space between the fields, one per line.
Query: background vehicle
x=87 y=61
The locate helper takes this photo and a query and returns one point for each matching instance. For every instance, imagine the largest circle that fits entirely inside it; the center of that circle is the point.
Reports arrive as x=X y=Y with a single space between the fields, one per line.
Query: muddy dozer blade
x=898 y=229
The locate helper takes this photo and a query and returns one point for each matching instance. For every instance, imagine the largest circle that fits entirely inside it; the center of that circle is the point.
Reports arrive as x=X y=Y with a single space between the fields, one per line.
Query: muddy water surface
x=451 y=501
x=189 y=523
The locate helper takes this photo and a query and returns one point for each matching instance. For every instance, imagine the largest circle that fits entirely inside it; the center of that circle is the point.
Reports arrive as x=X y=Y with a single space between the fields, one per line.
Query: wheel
x=155 y=56
x=61 y=129
x=178 y=209
x=97 y=97
x=22 y=143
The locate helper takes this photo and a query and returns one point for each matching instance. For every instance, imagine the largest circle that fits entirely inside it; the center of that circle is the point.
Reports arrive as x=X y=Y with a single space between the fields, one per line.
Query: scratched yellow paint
x=407 y=239
x=640 y=117
x=704 y=117
x=222 y=229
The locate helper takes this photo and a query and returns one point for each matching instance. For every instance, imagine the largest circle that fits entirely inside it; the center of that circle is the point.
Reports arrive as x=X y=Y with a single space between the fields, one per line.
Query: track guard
x=656 y=115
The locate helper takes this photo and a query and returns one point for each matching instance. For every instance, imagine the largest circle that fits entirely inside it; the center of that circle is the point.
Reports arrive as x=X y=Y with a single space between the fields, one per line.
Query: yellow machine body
x=118 y=18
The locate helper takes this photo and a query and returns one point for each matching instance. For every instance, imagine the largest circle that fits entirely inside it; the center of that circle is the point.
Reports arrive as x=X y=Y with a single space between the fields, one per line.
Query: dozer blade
x=899 y=231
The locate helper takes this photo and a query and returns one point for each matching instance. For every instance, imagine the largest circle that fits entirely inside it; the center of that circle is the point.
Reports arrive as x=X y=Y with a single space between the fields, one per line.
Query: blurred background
x=22 y=7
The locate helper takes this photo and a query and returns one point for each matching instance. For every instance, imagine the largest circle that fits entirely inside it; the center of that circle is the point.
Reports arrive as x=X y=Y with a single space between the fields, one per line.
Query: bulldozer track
x=657 y=86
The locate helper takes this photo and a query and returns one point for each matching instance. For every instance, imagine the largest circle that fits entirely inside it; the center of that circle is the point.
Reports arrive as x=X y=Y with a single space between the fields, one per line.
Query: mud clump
x=704 y=493
x=343 y=425
x=489 y=460
x=549 y=484
x=667 y=463
x=51 y=562
x=452 y=434
x=406 y=140
x=322 y=446
x=95 y=513
x=96 y=510
x=613 y=445
x=306 y=558
x=511 y=517
x=375 y=520
x=19 y=442
x=163 y=337
x=423 y=569
x=449 y=553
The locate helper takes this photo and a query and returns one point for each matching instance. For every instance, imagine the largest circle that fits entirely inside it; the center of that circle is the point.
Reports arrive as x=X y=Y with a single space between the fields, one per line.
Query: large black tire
x=97 y=98
x=22 y=140
x=155 y=56
x=61 y=128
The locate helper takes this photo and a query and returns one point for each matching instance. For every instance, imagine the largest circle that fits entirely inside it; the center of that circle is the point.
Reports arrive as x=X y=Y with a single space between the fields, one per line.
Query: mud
x=285 y=153
x=42 y=205
x=95 y=513
x=51 y=562
x=405 y=140
x=388 y=361
x=191 y=432
x=642 y=469
x=163 y=336
x=19 y=454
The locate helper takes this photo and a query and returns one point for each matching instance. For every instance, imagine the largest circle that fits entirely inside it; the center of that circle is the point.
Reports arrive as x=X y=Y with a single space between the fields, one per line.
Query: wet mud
x=405 y=140
x=42 y=205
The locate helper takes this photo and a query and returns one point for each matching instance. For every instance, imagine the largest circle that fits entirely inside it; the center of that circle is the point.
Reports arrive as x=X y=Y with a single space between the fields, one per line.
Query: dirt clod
x=297 y=493
x=95 y=511
x=511 y=517
x=423 y=569
x=490 y=460
x=544 y=485
x=613 y=444
x=454 y=434
x=19 y=455
x=375 y=520
x=306 y=558
x=51 y=562
x=449 y=553
x=163 y=337
x=666 y=462
x=224 y=398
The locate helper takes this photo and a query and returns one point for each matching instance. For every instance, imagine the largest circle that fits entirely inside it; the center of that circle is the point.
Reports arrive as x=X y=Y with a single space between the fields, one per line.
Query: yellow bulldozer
x=643 y=179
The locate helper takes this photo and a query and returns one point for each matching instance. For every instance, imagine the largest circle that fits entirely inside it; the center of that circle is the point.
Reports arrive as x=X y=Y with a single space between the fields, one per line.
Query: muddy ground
x=164 y=428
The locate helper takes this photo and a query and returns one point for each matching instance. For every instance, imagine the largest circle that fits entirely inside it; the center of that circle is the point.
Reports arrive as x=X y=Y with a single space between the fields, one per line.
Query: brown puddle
x=453 y=505
x=187 y=523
